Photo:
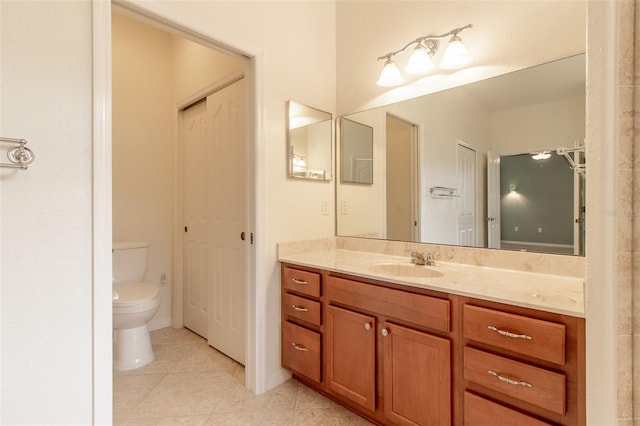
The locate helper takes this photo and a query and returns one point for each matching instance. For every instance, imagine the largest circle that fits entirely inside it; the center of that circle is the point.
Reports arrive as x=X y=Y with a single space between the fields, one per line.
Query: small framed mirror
x=356 y=155
x=309 y=138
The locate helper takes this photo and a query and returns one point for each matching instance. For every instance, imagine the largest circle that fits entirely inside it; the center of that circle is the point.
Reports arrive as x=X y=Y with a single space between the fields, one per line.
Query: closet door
x=215 y=211
x=227 y=202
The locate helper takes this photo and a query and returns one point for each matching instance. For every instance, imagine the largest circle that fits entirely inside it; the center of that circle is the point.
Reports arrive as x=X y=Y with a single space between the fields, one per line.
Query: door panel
x=493 y=200
x=215 y=206
x=193 y=130
x=417 y=377
x=351 y=356
x=226 y=150
x=467 y=192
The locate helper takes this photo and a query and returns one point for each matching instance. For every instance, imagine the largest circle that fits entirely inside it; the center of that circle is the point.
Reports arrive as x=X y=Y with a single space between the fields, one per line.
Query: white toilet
x=134 y=304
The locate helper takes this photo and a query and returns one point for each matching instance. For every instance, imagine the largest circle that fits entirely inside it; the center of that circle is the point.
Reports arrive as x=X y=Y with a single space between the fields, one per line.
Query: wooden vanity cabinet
x=301 y=331
x=521 y=363
x=381 y=356
x=399 y=355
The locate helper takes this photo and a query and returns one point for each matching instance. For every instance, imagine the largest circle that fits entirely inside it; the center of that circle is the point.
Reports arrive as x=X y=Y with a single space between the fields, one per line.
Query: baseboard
x=158 y=323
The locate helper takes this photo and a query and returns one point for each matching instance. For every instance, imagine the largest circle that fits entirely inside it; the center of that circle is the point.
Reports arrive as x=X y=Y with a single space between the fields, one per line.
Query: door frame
x=415 y=172
x=158 y=16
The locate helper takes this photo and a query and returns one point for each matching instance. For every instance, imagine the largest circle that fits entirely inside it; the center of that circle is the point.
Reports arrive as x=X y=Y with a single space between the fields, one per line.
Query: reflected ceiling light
x=542 y=155
x=455 y=56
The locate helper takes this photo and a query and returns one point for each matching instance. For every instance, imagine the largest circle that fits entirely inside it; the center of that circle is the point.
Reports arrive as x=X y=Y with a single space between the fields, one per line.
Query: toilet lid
x=134 y=294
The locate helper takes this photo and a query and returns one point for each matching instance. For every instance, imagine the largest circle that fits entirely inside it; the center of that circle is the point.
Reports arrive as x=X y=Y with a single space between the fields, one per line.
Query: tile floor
x=190 y=383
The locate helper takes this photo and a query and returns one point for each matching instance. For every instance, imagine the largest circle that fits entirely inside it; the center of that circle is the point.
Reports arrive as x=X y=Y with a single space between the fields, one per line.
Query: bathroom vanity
x=449 y=344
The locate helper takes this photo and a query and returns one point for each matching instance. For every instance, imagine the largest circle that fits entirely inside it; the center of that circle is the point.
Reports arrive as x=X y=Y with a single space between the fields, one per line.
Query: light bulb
x=419 y=62
x=390 y=75
x=456 y=55
x=543 y=155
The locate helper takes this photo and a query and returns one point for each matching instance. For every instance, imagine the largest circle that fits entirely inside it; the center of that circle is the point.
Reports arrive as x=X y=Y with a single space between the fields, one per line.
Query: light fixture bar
x=420 y=62
x=453 y=32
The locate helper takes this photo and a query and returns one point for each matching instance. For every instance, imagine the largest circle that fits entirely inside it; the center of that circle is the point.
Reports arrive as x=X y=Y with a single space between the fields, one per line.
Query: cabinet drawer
x=481 y=412
x=301 y=350
x=415 y=308
x=301 y=308
x=534 y=385
x=301 y=281
x=529 y=336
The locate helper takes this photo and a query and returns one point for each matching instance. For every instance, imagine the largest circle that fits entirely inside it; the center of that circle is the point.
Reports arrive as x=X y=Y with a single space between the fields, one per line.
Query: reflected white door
x=467 y=191
x=579 y=207
x=216 y=213
x=493 y=200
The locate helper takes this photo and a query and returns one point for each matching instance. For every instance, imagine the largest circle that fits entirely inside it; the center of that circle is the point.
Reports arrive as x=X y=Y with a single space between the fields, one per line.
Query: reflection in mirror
x=356 y=154
x=458 y=192
x=540 y=200
x=309 y=139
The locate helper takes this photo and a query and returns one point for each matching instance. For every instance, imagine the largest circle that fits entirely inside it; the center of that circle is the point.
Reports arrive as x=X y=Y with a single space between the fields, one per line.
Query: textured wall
x=628 y=244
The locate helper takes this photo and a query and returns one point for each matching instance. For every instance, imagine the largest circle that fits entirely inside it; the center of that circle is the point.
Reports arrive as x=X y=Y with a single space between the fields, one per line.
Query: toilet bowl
x=134 y=305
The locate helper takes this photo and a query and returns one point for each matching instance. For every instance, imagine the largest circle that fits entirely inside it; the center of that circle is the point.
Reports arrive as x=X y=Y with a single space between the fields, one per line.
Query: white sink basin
x=405 y=270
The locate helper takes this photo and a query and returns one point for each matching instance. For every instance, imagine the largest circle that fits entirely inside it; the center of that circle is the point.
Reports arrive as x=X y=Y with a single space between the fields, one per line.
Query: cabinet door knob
x=384 y=332
x=367 y=326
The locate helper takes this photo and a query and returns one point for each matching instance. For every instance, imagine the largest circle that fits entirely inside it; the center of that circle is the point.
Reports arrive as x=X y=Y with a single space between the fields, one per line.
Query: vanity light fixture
x=542 y=155
x=299 y=163
x=455 y=56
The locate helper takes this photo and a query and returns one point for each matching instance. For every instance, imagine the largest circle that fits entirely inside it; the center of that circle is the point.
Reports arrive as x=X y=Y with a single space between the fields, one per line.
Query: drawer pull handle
x=297 y=281
x=508 y=380
x=299 y=308
x=299 y=347
x=508 y=333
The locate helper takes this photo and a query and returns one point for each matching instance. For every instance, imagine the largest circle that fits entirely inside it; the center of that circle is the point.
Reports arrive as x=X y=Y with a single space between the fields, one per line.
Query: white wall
x=548 y=125
x=45 y=215
x=142 y=146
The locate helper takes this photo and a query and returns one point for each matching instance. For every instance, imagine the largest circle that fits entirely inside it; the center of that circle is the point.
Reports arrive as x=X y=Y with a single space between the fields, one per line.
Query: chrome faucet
x=420 y=259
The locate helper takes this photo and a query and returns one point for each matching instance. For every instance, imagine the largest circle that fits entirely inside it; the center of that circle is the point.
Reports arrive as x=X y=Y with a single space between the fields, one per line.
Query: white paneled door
x=467 y=192
x=493 y=200
x=215 y=211
x=193 y=130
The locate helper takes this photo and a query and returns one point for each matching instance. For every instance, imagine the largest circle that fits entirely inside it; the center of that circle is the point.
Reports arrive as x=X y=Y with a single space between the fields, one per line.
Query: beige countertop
x=547 y=292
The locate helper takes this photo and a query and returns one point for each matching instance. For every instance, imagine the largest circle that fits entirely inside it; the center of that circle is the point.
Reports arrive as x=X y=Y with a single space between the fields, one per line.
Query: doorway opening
x=402 y=191
x=171 y=240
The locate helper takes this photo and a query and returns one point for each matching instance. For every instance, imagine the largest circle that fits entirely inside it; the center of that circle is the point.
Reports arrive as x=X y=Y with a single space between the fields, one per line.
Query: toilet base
x=132 y=348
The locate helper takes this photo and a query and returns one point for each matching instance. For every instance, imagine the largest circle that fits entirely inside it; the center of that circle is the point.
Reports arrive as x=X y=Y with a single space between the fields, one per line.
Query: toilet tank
x=129 y=261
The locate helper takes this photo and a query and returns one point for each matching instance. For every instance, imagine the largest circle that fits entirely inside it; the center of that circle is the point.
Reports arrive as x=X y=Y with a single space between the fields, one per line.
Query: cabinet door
x=350 y=355
x=417 y=376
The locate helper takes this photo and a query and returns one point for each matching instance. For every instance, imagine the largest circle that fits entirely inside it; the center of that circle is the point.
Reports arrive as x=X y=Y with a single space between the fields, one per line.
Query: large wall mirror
x=309 y=141
x=497 y=163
